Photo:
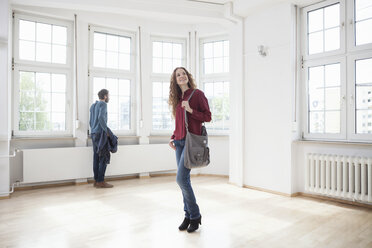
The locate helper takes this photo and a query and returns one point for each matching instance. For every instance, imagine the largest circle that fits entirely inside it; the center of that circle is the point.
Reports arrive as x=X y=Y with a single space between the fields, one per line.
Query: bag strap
x=186 y=124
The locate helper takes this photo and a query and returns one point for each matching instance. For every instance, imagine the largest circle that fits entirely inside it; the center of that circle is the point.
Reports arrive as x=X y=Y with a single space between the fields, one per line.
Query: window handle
x=351 y=99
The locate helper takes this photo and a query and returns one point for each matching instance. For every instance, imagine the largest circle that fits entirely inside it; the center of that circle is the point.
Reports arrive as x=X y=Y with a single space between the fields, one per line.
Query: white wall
x=269 y=98
x=144 y=135
x=4 y=92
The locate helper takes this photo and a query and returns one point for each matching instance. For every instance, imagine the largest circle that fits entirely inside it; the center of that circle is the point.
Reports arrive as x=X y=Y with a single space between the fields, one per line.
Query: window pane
x=124 y=87
x=332 y=122
x=363 y=32
x=27 y=80
x=332 y=39
x=27 y=30
x=42 y=121
x=124 y=45
x=43 y=32
x=157 y=49
x=316 y=99
x=59 y=54
x=124 y=62
x=363 y=121
x=363 y=70
x=43 y=82
x=112 y=60
x=167 y=50
x=167 y=66
x=208 y=66
x=43 y=102
x=177 y=51
x=157 y=65
x=26 y=50
x=332 y=16
x=58 y=121
x=59 y=35
x=112 y=43
x=315 y=20
x=124 y=119
x=99 y=58
x=26 y=121
x=363 y=97
x=363 y=9
x=176 y=63
x=113 y=107
x=157 y=89
x=59 y=83
x=112 y=86
x=316 y=42
x=99 y=41
x=112 y=121
x=43 y=52
x=316 y=122
x=58 y=102
x=218 y=49
x=332 y=75
x=27 y=101
x=208 y=50
x=332 y=98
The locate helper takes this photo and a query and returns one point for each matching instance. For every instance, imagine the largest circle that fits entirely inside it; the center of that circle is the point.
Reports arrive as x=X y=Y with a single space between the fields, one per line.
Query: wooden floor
x=147 y=212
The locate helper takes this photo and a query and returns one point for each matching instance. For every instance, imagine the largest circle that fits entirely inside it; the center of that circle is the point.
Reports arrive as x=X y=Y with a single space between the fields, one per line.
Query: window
x=112 y=68
x=167 y=54
x=214 y=61
x=42 y=76
x=337 y=70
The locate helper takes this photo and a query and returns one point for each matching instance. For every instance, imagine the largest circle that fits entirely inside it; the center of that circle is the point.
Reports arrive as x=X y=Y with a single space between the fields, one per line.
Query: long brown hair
x=175 y=92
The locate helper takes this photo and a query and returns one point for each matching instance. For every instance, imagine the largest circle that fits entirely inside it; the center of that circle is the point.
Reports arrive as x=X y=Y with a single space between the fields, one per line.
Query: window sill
x=334 y=142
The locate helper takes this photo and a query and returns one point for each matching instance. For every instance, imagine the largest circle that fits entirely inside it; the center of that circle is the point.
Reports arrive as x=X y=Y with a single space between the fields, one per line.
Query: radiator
x=56 y=164
x=339 y=176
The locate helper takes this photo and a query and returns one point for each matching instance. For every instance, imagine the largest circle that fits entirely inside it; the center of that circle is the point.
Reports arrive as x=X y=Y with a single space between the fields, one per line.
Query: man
x=98 y=124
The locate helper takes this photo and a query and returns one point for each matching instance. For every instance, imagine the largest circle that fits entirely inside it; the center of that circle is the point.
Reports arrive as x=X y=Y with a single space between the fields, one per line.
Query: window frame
x=347 y=59
x=163 y=77
x=213 y=77
x=352 y=47
x=353 y=136
x=304 y=36
x=46 y=67
x=306 y=127
x=114 y=73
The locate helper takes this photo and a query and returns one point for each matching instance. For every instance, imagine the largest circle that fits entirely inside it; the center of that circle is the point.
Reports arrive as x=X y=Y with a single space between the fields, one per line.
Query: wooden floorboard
x=147 y=212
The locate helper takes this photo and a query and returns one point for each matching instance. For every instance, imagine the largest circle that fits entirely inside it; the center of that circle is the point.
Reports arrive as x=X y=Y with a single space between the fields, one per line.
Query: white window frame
x=346 y=55
x=213 y=77
x=321 y=62
x=164 y=77
x=115 y=73
x=304 y=38
x=36 y=66
x=352 y=98
x=351 y=29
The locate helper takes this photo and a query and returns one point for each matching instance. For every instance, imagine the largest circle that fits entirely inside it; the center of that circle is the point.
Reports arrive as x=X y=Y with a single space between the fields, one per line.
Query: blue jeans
x=99 y=164
x=183 y=180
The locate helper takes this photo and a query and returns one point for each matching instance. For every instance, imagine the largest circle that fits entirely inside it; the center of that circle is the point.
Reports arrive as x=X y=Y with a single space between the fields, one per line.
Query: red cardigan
x=200 y=114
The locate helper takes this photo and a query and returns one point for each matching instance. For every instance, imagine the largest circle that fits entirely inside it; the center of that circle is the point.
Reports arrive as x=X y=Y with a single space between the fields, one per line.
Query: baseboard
x=4 y=197
x=326 y=198
x=269 y=191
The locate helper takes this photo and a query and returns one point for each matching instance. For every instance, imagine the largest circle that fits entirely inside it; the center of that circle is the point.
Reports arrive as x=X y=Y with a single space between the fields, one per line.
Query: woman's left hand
x=185 y=105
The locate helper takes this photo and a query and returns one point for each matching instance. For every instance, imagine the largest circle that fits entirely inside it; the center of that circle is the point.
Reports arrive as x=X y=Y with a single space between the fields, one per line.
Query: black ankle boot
x=185 y=224
x=194 y=225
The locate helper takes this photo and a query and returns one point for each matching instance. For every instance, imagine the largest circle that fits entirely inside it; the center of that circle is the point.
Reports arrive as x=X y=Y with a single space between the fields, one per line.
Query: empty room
x=186 y=123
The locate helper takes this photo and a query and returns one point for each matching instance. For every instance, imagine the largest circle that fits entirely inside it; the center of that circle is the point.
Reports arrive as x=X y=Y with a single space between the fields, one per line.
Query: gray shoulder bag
x=196 y=154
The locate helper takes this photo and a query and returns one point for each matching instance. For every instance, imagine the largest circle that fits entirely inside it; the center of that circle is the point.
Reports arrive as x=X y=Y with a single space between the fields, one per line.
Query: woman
x=181 y=87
